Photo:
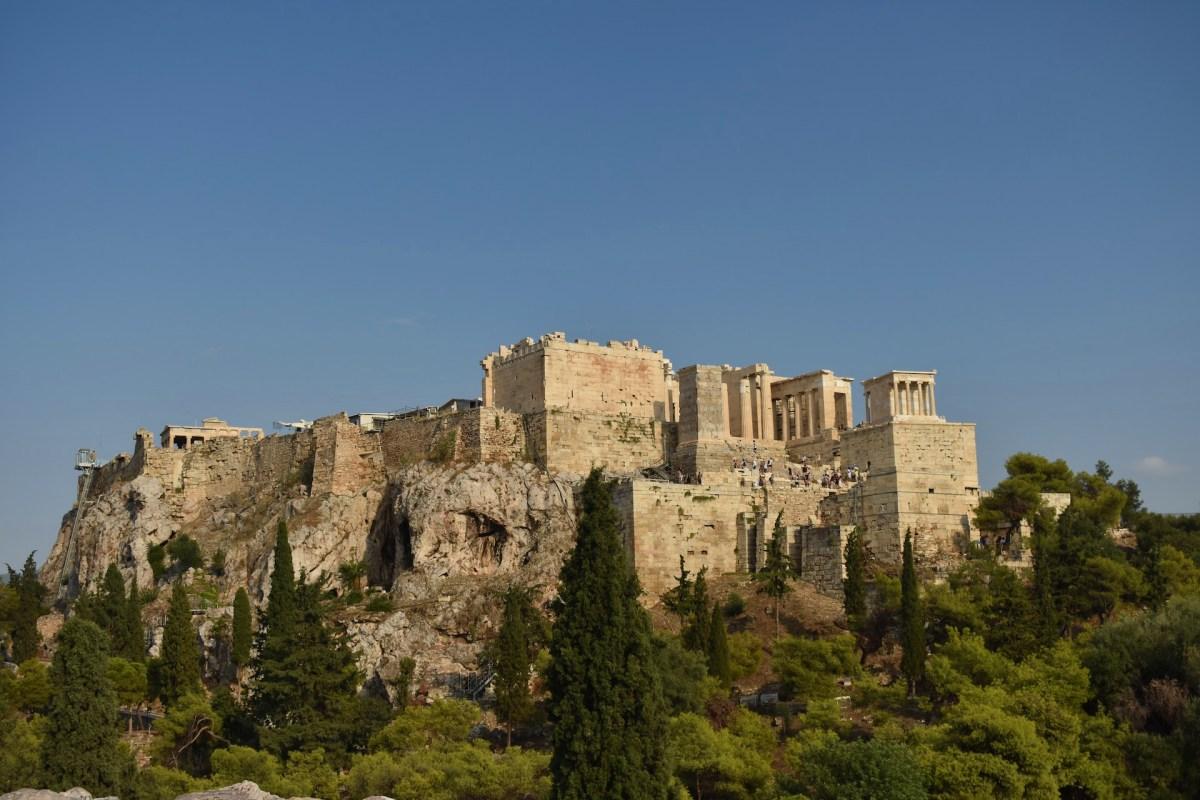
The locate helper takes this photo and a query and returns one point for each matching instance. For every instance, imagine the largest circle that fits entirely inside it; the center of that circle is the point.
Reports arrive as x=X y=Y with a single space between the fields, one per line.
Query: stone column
x=747 y=429
x=768 y=408
x=932 y=401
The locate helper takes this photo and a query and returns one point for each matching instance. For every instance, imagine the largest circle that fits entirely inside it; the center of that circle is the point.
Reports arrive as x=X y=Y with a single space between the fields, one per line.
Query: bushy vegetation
x=1077 y=678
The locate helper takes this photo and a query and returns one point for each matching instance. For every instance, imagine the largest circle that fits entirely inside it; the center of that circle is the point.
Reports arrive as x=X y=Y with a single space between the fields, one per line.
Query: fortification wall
x=924 y=478
x=710 y=526
x=574 y=441
x=819 y=555
x=617 y=378
x=479 y=434
x=345 y=457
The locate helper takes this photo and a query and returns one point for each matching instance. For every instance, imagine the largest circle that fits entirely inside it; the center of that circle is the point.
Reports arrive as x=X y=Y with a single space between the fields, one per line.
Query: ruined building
x=706 y=458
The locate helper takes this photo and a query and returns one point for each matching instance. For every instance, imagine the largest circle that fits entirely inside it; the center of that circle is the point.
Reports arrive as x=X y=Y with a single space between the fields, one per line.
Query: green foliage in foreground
x=80 y=746
x=605 y=694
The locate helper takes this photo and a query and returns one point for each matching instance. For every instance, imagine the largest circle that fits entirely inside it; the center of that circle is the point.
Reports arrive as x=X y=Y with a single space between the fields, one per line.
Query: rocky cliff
x=442 y=540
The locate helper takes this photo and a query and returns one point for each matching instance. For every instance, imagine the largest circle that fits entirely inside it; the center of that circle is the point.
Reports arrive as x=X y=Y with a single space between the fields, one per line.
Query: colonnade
x=913 y=398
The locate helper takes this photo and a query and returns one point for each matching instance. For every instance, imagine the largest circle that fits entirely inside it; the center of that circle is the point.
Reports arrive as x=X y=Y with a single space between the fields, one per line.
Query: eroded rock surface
x=442 y=541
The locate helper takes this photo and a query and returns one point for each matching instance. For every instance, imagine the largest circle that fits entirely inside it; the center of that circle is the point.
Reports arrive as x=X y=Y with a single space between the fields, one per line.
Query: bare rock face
x=443 y=541
x=446 y=543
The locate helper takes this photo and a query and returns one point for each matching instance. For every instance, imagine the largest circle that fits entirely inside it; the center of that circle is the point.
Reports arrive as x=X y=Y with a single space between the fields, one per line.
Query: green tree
x=187 y=735
x=719 y=665
x=185 y=552
x=281 y=602
x=678 y=599
x=696 y=634
x=775 y=577
x=854 y=585
x=156 y=557
x=216 y=564
x=605 y=697
x=242 y=628
x=513 y=658
x=19 y=738
x=351 y=574
x=304 y=693
x=128 y=680
x=912 y=621
x=133 y=633
x=734 y=762
x=860 y=770
x=178 y=670
x=32 y=690
x=81 y=745
x=402 y=684
x=25 y=637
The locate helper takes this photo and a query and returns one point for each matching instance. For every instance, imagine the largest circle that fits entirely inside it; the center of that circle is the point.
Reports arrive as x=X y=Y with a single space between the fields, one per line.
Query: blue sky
x=277 y=210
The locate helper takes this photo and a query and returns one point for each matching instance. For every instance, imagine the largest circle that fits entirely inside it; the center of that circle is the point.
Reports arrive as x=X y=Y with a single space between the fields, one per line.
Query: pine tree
x=696 y=636
x=912 y=621
x=242 y=635
x=606 y=701
x=179 y=666
x=304 y=693
x=719 y=665
x=513 y=657
x=775 y=576
x=81 y=745
x=854 y=585
x=25 y=637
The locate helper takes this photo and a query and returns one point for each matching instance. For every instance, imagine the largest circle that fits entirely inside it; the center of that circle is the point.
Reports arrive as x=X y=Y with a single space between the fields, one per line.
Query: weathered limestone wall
x=819 y=555
x=724 y=528
x=346 y=457
x=923 y=476
x=475 y=435
x=617 y=378
x=573 y=441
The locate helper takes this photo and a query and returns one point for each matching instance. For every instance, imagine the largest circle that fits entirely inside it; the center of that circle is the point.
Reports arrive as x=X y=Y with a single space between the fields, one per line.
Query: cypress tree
x=1046 y=612
x=81 y=743
x=696 y=637
x=133 y=633
x=719 y=665
x=678 y=598
x=281 y=602
x=912 y=621
x=606 y=701
x=775 y=576
x=304 y=694
x=110 y=608
x=854 y=585
x=25 y=637
x=179 y=667
x=513 y=661
x=242 y=635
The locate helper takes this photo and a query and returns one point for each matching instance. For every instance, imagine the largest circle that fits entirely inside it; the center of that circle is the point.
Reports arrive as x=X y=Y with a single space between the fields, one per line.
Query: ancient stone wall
x=923 y=477
x=346 y=458
x=475 y=435
x=724 y=528
x=617 y=378
x=819 y=555
x=573 y=441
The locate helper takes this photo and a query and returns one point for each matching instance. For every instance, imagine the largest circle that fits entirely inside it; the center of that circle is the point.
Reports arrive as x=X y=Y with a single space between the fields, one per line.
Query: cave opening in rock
x=389 y=545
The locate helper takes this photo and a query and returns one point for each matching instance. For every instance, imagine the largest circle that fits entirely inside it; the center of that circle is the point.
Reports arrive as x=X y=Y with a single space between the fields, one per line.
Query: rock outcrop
x=441 y=540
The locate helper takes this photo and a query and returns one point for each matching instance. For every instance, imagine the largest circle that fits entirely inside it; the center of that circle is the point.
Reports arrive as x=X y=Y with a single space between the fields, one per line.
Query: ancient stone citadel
x=442 y=500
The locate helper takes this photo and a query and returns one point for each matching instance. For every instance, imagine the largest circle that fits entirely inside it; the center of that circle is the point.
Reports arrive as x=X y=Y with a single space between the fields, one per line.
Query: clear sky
x=273 y=210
